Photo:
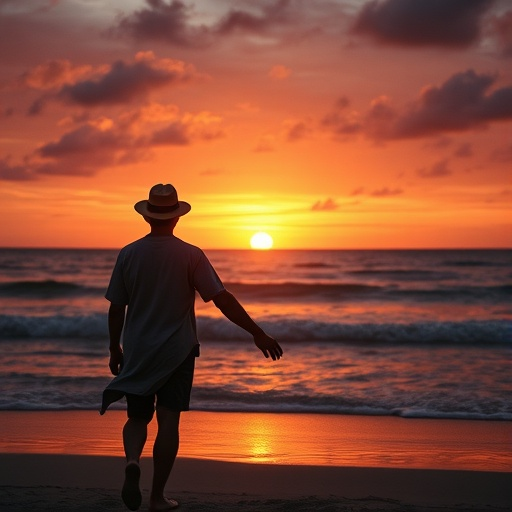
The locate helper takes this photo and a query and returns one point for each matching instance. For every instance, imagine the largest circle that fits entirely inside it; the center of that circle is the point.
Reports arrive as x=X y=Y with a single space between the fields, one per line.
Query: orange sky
x=328 y=124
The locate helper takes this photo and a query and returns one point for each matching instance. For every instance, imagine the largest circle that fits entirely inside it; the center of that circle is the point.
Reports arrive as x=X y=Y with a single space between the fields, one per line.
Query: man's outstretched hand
x=268 y=346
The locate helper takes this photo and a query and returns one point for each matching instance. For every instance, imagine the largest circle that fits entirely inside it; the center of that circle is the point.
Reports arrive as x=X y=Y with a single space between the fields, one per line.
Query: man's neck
x=161 y=231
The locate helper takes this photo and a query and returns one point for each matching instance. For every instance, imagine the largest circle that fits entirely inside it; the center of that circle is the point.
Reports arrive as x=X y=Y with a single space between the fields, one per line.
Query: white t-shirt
x=157 y=277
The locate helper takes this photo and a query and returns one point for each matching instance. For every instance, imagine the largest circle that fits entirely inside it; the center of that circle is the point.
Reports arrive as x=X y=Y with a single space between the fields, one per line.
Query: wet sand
x=47 y=463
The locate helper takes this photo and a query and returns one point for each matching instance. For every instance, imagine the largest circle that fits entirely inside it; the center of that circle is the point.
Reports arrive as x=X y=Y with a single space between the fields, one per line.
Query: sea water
x=413 y=333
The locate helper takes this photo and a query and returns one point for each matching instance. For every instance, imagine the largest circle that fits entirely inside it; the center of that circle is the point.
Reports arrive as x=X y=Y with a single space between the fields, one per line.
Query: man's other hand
x=268 y=346
x=116 y=361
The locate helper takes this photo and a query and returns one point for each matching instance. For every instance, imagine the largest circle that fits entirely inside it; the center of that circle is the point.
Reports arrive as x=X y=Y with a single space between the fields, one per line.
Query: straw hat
x=162 y=203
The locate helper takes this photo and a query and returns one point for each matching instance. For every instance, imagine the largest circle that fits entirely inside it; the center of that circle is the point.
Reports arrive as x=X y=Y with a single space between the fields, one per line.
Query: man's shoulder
x=173 y=243
x=186 y=245
x=132 y=245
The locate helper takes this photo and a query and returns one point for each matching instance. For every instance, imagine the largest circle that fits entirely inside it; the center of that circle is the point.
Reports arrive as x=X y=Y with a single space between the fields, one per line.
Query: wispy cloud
x=437 y=170
x=328 y=205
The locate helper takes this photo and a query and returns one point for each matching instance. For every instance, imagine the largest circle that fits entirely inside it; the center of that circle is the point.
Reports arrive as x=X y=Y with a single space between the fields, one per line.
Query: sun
x=262 y=241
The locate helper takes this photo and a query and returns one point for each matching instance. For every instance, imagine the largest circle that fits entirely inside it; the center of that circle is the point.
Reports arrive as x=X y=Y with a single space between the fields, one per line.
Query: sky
x=327 y=124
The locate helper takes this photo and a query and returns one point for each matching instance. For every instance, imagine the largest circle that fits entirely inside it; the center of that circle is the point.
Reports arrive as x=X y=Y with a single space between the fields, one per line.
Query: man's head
x=162 y=204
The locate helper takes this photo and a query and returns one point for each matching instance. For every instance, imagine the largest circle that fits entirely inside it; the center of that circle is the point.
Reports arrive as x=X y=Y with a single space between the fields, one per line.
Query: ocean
x=410 y=333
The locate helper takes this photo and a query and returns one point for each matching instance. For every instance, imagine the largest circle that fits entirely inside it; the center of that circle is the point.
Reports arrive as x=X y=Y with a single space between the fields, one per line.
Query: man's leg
x=165 y=450
x=135 y=433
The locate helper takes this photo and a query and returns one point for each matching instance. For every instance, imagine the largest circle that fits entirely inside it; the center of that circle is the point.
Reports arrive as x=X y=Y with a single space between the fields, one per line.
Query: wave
x=94 y=326
x=406 y=275
x=290 y=290
x=46 y=289
x=84 y=393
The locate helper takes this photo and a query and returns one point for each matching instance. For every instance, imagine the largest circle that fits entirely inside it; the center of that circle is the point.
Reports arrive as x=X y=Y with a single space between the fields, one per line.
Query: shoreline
x=368 y=465
x=277 y=438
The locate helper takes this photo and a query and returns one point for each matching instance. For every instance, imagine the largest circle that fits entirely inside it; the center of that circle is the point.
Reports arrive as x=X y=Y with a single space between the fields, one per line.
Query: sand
x=91 y=483
x=72 y=478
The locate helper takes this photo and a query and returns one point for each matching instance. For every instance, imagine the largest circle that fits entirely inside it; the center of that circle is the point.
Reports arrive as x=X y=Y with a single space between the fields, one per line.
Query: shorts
x=173 y=395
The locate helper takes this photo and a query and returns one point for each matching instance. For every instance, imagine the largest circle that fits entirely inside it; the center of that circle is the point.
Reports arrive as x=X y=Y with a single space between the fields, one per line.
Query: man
x=152 y=292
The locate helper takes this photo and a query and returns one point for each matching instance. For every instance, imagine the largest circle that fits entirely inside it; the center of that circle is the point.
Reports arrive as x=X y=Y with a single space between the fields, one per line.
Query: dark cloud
x=173 y=134
x=270 y=15
x=120 y=83
x=84 y=140
x=123 y=82
x=341 y=123
x=9 y=172
x=297 y=131
x=164 y=22
x=100 y=143
x=465 y=101
x=172 y=22
x=447 y=23
x=328 y=205
x=438 y=170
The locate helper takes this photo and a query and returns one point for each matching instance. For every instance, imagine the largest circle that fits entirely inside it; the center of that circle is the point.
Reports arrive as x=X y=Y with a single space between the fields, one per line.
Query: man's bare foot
x=163 y=505
x=132 y=497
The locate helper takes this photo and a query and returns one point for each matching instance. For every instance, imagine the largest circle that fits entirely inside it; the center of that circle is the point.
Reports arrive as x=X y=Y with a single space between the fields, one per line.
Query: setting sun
x=261 y=240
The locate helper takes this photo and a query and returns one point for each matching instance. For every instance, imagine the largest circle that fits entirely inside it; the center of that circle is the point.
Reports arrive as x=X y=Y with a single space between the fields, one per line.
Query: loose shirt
x=157 y=277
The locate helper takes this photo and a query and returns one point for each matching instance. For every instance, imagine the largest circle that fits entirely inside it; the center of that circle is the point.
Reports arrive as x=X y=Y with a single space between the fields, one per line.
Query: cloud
x=104 y=142
x=465 y=101
x=296 y=130
x=238 y=20
x=445 y=23
x=173 y=134
x=53 y=74
x=328 y=205
x=386 y=192
x=9 y=172
x=160 y=21
x=438 y=170
x=121 y=82
x=172 y=22
x=340 y=122
x=380 y=192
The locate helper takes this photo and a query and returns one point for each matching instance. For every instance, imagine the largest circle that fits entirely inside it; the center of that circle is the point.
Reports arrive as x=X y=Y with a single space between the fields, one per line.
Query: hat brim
x=142 y=208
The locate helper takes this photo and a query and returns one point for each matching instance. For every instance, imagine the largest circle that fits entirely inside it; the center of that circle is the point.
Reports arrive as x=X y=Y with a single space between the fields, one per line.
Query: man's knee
x=165 y=415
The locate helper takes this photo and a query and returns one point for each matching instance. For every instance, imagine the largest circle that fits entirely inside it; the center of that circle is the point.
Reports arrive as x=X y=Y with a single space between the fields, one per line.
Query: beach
x=57 y=469
x=394 y=392
x=92 y=483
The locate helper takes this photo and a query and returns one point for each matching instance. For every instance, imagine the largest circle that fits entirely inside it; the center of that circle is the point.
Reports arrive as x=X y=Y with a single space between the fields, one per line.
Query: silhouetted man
x=152 y=292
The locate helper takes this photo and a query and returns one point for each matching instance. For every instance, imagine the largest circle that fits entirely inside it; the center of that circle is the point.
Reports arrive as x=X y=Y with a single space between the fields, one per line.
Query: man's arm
x=234 y=311
x=116 y=314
